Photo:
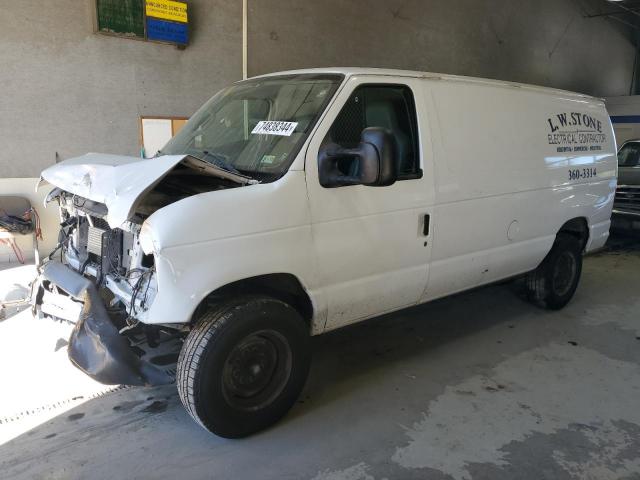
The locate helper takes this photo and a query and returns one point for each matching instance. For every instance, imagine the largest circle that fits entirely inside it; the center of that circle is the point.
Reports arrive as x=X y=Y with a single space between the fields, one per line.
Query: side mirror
x=374 y=158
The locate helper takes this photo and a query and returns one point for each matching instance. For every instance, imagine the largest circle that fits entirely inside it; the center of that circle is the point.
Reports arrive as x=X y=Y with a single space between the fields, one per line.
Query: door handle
x=425 y=225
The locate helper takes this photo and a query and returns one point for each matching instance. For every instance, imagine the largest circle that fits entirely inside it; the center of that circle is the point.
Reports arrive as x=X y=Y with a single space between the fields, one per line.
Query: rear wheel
x=554 y=282
x=243 y=366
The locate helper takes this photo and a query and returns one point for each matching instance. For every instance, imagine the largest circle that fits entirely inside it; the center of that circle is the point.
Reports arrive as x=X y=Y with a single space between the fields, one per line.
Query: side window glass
x=629 y=155
x=387 y=106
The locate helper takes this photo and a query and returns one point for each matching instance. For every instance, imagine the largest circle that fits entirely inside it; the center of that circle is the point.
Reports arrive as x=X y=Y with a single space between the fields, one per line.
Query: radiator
x=94 y=240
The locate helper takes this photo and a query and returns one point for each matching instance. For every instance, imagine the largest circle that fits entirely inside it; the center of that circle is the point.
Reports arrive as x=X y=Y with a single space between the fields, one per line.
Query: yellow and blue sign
x=167 y=21
x=167 y=10
x=164 y=31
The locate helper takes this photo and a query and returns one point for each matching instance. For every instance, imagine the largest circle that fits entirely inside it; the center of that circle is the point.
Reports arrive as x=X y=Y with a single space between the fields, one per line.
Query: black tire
x=554 y=282
x=243 y=365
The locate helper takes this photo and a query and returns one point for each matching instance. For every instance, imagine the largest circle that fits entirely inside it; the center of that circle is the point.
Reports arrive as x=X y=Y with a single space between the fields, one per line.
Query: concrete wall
x=544 y=42
x=68 y=90
x=65 y=89
x=625 y=106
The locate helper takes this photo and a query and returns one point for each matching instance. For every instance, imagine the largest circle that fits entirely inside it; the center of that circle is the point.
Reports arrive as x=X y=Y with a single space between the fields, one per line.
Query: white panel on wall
x=156 y=132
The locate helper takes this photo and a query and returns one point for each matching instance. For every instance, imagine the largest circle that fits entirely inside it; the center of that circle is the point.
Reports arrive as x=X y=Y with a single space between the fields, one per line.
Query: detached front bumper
x=96 y=346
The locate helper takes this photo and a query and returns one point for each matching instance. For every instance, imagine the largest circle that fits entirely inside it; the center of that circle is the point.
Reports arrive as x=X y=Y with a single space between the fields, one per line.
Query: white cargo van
x=296 y=203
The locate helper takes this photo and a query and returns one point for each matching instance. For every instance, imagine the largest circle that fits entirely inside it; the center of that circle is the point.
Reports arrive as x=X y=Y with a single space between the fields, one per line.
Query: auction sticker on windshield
x=284 y=129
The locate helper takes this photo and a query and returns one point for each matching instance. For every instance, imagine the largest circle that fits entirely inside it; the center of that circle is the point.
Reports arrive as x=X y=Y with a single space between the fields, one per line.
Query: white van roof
x=350 y=71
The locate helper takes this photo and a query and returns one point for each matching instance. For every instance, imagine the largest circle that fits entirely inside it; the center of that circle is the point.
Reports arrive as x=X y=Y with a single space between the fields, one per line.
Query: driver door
x=372 y=244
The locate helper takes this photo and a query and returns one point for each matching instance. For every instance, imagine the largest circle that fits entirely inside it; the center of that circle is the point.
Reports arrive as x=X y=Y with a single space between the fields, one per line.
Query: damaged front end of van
x=144 y=243
x=103 y=274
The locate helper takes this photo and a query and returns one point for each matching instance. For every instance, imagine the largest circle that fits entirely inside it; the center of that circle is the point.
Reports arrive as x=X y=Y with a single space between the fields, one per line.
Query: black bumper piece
x=95 y=346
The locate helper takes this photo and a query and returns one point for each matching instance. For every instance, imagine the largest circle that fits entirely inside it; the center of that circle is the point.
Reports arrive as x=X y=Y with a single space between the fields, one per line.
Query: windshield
x=258 y=126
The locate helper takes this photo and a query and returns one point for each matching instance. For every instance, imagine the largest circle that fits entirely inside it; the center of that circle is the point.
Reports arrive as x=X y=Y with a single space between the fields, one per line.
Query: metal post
x=244 y=65
x=244 y=39
x=634 y=89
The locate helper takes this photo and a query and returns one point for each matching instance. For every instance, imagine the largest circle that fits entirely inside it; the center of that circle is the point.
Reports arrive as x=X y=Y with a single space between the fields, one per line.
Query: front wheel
x=244 y=365
x=554 y=282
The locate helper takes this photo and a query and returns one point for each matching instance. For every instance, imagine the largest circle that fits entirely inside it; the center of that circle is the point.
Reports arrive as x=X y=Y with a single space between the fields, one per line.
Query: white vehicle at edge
x=299 y=202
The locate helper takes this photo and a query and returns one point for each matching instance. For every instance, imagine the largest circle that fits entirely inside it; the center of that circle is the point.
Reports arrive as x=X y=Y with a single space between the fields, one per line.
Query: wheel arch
x=577 y=227
x=285 y=287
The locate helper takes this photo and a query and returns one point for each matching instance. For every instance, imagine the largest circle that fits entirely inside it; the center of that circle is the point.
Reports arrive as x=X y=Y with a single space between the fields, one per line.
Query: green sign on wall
x=121 y=17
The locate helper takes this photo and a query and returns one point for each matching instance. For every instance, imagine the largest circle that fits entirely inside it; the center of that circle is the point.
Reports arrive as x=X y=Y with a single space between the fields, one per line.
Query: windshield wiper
x=212 y=168
x=218 y=160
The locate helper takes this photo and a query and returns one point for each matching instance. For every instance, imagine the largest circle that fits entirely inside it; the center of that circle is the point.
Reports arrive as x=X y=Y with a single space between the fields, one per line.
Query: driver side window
x=388 y=106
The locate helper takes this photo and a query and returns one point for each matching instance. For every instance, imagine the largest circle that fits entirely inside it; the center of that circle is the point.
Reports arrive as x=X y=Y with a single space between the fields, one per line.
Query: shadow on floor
x=623 y=240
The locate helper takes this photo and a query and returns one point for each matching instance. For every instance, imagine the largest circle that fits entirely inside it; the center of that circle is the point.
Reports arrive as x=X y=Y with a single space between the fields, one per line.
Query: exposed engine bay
x=112 y=257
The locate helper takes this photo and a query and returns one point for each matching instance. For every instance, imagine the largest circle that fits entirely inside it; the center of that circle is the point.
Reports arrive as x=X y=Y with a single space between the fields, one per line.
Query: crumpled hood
x=120 y=182
x=115 y=180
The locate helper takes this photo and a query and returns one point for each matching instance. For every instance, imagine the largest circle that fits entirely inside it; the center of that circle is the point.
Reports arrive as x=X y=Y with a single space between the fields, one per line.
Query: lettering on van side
x=575 y=132
x=582 y=173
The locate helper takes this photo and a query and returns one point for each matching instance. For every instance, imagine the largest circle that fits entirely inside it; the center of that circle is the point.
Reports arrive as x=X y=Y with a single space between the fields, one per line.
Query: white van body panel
x=502 y=190
x=271 y=235
x=372 y=255
x=495 y=186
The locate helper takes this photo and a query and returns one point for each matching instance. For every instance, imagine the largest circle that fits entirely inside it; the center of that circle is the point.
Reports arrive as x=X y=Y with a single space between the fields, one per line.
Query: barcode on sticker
x=284 y=129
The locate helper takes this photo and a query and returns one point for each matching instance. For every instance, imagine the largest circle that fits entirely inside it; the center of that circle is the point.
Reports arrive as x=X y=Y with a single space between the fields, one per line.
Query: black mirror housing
x=383 y=140
x=376 y=161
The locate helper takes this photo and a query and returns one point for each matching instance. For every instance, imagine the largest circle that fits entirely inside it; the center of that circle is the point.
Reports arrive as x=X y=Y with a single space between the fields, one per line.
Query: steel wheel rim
x=257 y=370
x=564 y=273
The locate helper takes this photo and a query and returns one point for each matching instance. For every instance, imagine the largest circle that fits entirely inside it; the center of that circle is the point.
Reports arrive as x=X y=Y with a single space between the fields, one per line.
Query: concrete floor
x=478 y=386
